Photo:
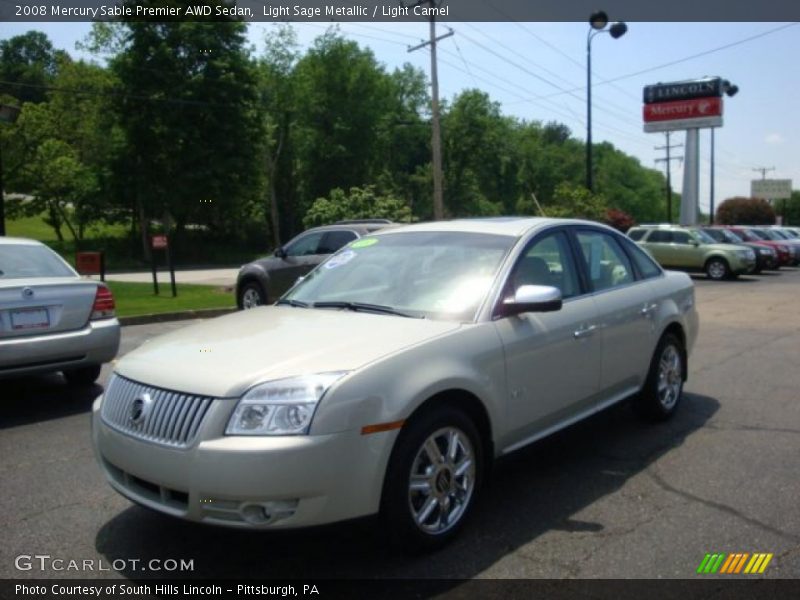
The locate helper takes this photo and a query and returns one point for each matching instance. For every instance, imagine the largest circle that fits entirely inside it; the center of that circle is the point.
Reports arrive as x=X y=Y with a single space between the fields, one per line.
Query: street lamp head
x=598 y=20
x=617 y=30
x=729 y=88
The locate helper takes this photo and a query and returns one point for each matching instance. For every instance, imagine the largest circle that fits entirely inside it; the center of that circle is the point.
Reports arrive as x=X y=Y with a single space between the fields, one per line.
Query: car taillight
x=103 y=307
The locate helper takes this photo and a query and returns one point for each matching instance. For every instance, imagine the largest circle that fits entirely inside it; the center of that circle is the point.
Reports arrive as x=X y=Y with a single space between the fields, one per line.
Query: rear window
x=636 y=234
x=19 y=261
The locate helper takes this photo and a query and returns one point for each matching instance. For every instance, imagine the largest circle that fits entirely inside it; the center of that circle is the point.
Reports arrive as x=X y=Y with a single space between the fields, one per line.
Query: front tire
x=718 y=269
x=82 y=376
x=252 y=295
x=663 y=388
x=432 y=479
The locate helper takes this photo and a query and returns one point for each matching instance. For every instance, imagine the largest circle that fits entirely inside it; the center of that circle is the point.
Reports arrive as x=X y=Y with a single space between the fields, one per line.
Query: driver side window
x=305 y=246
x=547 y=261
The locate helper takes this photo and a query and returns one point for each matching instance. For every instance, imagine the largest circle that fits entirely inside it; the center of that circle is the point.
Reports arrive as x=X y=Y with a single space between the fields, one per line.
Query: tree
x=28 y=63
x=745 y=211
x=277 y=93
x=187 y=105
x=792 y=209
x=358 y=203
x=345 y=96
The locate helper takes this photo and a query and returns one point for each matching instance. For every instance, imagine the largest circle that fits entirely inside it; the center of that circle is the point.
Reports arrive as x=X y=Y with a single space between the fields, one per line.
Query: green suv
x=691 y=249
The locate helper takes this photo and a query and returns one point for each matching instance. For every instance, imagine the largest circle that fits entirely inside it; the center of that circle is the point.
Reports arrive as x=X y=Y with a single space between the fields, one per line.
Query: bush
x=745 y=211
x=358 y=203
x=619 y=219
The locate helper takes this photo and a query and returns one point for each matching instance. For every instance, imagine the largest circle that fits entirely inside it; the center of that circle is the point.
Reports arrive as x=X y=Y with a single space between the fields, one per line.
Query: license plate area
x=29 y=318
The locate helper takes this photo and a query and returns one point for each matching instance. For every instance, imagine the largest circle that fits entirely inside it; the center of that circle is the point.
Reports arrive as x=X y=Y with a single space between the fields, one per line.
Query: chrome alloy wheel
x=670 y=377
x=442 y=480
x=716 y=270
x=251 y=298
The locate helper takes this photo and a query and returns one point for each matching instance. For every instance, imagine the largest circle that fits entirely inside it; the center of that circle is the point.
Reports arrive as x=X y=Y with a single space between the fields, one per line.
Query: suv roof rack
x=362 y=221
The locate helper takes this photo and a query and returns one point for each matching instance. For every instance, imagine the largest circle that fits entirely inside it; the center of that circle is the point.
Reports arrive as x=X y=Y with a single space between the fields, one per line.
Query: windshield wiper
x=290 y=302
x=356 y=306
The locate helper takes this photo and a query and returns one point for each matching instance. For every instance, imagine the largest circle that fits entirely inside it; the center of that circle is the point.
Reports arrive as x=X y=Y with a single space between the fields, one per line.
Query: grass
x=139 y=299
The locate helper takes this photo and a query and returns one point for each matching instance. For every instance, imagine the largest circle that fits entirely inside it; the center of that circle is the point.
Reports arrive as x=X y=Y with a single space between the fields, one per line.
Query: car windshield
x=757 y=235
x=726 y=235
x=766 y=234
x=703 y=237
x=20 y=261
x=780 y=234
x=790 y=234
x=439 y=275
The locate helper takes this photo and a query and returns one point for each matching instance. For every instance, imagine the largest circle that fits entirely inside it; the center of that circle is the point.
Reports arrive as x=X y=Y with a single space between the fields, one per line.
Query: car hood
x=223 y=357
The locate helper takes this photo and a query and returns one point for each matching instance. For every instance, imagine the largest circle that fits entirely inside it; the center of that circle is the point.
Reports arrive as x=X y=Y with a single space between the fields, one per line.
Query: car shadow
x=533 y=491
x=43 y=397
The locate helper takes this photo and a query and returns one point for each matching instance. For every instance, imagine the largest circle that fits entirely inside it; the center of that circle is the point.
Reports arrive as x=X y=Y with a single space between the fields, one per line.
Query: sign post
x=773 y=190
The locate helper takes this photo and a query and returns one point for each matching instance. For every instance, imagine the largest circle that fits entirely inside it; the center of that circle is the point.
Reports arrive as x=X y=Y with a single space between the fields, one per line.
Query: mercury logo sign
x=27 y=293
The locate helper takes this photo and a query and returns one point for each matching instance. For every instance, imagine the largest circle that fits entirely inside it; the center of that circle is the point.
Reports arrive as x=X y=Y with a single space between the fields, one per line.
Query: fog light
x=255 y=514
x=267 y=512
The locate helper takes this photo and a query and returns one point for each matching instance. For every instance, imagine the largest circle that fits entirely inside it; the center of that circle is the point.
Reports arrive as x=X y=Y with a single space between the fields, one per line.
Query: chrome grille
x=166 y=417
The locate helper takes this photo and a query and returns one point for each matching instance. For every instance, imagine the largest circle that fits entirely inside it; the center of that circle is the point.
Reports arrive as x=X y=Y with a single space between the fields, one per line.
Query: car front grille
x=153 y=414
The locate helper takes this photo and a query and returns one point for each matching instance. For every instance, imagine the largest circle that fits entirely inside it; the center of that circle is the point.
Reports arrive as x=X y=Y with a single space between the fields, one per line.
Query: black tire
x=717 y=269
x=251 y=295
x=82 y=376
x=652 y=402
x=447 y=490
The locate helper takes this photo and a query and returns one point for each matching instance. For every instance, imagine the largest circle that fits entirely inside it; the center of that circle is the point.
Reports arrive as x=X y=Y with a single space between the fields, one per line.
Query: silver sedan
x=50 y=318
x=391 y=376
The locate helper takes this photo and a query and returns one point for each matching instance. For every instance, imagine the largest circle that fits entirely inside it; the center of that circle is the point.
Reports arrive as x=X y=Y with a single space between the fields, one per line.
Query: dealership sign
x=683 y=105
x=683 y=90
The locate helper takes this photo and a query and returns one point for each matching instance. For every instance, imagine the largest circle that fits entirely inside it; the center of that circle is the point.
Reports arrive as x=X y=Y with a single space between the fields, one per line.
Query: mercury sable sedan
x=389 y=378
x=50 y=318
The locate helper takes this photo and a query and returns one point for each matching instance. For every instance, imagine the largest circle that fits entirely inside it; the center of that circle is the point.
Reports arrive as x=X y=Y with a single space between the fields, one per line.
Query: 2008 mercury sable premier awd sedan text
x=388 y=379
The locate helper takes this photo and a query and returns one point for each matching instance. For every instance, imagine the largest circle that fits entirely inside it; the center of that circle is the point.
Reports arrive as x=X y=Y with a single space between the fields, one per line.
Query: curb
x=205 y=313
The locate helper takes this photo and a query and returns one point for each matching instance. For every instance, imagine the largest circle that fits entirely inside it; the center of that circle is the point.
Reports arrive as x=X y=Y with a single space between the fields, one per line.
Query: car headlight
x=282 y=406
x=766 y=251
x=784 y=249
x=746 y=253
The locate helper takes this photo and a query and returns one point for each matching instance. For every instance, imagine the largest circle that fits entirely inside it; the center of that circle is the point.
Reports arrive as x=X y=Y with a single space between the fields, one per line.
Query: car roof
x=18 y=241
x=510 y=226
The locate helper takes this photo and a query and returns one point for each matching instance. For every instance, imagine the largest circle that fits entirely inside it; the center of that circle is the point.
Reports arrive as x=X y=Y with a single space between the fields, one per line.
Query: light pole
x=598 y=22
x=730 y=90
x=8 y=114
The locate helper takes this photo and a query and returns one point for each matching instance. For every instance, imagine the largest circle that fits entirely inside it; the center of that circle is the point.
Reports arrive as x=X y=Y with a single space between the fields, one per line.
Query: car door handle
x=646 y=310
x=585 y=332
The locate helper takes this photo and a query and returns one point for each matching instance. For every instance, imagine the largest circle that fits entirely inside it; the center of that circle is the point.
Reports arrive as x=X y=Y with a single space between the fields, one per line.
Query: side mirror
x=695 y=243
x=280 y=252
x=533 y=298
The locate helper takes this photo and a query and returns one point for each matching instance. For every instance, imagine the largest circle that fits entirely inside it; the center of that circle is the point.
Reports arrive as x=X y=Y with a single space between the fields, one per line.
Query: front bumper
x=740 y=265
x=295 y=481
x=94 y=344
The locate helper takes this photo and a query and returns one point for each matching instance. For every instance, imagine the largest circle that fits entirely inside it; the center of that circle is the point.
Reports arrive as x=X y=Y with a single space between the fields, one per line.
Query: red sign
x=695 y=108
x=89 y=263
x=159 y=242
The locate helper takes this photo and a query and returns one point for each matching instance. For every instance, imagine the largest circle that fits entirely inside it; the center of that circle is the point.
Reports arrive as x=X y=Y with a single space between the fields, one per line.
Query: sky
x=537 y=71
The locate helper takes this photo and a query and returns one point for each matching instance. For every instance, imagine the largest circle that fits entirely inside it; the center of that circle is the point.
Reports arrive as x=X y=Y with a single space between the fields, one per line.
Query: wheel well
x=716 y=257
x=470 y=404
x=676 y=330
x=244 y=282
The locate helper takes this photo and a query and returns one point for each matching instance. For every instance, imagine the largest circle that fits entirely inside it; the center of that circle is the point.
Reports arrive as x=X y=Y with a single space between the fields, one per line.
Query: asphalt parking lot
x=608 y=498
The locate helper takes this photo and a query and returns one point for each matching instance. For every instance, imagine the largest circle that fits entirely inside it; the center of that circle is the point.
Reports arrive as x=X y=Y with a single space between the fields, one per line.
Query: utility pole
x=763 y=171
x=436 y=134
x=667 y=160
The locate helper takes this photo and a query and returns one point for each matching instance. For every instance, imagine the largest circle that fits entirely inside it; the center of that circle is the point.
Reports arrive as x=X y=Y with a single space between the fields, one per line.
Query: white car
x=389 y=378
x=50 y=318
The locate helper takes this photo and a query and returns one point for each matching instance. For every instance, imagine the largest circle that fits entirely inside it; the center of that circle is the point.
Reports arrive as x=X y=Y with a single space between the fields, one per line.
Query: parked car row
x=721 y=252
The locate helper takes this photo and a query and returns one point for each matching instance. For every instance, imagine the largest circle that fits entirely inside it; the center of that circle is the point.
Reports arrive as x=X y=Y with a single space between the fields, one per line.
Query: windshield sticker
x=364 y=243
x=340 y=259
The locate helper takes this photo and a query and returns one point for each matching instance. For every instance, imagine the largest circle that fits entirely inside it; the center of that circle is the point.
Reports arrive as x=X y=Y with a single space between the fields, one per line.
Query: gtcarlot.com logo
x=735 y=563
x=46 y=562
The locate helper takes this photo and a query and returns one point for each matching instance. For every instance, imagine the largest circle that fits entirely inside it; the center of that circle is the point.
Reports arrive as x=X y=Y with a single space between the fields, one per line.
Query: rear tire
x=82 y=376
x=432 y=479
x=717 y=269
x=663 y=388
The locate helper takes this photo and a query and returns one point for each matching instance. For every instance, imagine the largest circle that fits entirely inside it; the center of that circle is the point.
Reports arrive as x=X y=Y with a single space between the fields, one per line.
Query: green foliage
x=358 y=203
x=29 y=63
x=572 y=201
x=745 y=211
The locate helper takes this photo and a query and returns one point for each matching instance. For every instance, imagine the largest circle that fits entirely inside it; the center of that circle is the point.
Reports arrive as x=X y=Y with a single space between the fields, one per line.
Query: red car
x=786 y=256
